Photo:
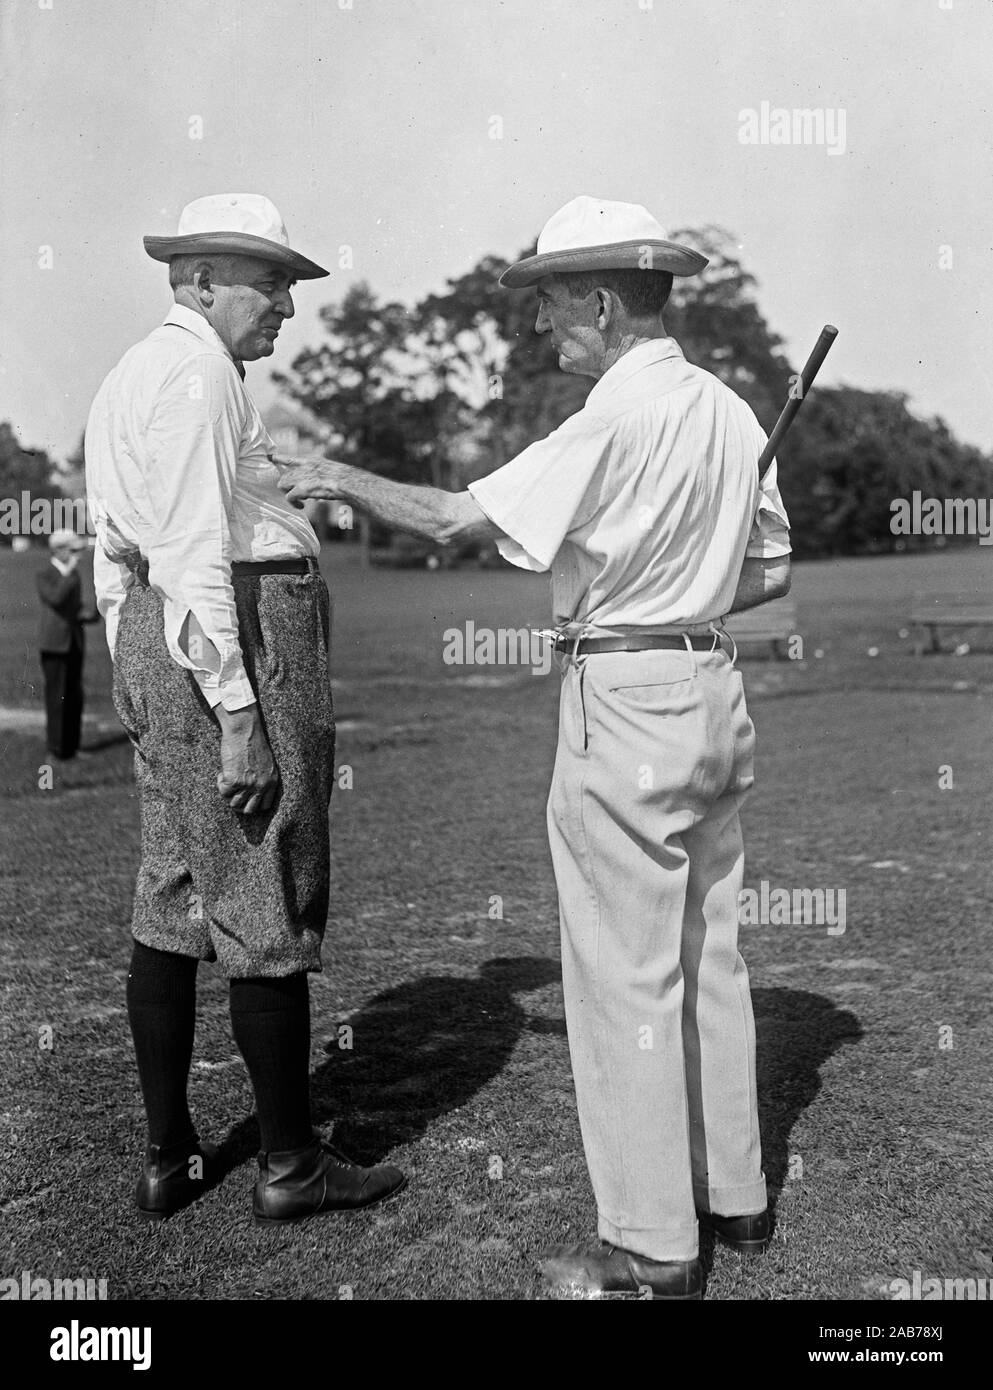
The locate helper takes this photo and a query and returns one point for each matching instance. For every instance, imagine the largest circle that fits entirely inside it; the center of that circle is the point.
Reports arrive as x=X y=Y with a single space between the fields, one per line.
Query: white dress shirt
x=177 y=468
x=644 y=503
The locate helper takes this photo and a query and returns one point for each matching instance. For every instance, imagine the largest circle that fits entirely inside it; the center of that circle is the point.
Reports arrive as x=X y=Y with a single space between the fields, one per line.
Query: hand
x=248 y=779
x=304 y=478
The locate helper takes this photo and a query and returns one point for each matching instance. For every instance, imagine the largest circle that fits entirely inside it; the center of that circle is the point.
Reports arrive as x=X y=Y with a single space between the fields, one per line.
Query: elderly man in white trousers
x=647 y=508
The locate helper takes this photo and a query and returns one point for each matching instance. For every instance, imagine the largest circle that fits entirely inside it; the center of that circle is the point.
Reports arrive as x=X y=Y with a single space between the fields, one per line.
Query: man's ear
x=203 y=284
x=604 y=308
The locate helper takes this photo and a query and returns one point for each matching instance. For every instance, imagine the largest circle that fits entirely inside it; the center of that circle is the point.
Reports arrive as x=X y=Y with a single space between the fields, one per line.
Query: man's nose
x=542 y=323
x=284 y=303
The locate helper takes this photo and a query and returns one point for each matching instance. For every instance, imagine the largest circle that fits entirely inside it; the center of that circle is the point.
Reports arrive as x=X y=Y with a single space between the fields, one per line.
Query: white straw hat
x=596 y=234
x=245 y=224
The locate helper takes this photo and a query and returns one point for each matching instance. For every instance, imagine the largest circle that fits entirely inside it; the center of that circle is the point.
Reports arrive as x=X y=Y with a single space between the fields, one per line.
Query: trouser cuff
x=674 y=1243
x=746 y=1200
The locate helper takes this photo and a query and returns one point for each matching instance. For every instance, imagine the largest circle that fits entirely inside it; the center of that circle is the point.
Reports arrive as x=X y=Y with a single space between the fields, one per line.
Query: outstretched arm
x=445 y=517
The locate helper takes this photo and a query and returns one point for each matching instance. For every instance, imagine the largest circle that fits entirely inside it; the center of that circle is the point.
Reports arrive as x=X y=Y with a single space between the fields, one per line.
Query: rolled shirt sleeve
x=770 y=533
x=193 y=442
x=540 y=496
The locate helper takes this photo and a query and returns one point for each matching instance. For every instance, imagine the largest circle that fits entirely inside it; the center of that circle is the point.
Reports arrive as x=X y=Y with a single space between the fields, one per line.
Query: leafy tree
x=376 y=385
x=464 y=333
x=851 y=453
x=23 y=470
x=527 y=395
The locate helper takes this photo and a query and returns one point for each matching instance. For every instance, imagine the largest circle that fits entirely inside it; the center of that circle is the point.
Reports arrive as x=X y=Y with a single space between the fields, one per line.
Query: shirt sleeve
x=538 y=497
x=770 y=533
x=192 y=447
x=111 y=581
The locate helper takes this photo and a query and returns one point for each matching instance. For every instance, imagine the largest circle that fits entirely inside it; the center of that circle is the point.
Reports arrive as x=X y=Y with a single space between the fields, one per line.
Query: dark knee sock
x=270 y=1019
x=161 y=996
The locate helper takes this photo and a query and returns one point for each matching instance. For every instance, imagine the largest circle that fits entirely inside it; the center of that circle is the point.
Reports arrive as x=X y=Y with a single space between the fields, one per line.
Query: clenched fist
x=249 y=779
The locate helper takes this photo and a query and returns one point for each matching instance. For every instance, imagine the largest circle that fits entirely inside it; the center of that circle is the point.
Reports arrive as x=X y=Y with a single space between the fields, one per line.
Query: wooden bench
x=772 y=623
x=930 y=612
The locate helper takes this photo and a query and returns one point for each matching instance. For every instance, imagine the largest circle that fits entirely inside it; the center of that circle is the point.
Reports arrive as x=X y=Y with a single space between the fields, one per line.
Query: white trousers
x=654 y=760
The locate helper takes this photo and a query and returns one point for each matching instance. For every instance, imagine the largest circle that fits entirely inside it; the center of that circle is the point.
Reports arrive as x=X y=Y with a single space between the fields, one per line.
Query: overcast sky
x=370 y=126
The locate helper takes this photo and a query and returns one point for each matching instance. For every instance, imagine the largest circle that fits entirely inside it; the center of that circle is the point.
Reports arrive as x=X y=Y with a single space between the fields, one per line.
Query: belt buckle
x=561 y=644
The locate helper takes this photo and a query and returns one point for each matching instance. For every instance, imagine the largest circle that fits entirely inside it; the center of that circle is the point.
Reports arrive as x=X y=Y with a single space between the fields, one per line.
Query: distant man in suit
x=61 y=642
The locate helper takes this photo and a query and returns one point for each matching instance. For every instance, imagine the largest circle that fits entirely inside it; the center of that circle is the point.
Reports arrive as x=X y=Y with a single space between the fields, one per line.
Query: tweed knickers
x=250 y=892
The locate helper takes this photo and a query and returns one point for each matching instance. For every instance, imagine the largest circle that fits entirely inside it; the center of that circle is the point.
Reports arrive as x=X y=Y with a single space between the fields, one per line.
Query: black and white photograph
x=496 y=667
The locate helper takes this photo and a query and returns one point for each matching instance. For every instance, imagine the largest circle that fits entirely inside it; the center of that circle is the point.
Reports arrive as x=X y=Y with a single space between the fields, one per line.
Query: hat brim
x=619 y=255
x=163 y=248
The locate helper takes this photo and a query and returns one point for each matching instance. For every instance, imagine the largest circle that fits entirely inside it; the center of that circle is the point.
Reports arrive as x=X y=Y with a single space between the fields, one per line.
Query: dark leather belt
x=240 y=569
x=590 y=646
x=248 y=567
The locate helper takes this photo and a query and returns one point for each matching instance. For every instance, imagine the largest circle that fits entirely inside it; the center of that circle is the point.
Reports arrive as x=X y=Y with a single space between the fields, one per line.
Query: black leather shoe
x=300 y=1183
x=612 y=1272
x=747 y=1234
x=171 y=1178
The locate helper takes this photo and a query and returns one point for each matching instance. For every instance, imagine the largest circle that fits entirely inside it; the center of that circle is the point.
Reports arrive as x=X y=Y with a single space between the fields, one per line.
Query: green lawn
x=876 y=1137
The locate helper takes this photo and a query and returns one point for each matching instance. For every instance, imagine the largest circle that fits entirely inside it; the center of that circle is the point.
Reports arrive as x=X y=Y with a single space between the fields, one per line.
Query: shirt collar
x=197 y=325
x=644 y=355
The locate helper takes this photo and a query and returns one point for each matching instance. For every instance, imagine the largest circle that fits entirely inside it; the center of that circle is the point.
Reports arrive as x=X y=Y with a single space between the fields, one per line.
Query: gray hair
x=183 y=268
x=643 y=293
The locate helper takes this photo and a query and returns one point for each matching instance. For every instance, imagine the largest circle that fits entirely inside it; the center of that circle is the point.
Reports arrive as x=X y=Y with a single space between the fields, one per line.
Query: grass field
x=875 y=1117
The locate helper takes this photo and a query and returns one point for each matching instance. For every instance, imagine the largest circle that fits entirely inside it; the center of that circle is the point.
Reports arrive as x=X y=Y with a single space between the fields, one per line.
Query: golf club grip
x=812 y=366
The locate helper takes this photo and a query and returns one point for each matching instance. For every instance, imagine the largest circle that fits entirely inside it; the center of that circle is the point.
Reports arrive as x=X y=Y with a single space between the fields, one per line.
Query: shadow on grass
x=796 y=1033
x=418 y=1051
x=425 y=1048
x=422 y=1050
